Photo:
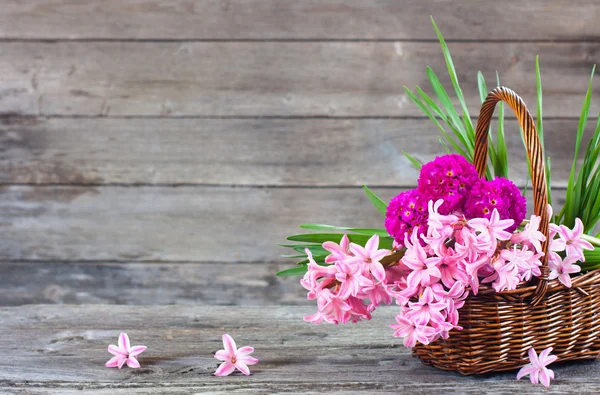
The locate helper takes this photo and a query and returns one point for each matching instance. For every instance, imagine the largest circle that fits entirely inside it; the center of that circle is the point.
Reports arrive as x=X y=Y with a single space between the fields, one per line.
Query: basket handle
x=536 y=165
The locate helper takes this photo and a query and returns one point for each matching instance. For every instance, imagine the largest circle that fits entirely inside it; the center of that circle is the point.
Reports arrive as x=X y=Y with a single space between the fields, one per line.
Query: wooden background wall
x=154 y=152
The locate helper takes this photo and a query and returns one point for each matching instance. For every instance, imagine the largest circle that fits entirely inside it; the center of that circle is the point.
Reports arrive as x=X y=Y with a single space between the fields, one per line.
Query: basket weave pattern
x=499 y=328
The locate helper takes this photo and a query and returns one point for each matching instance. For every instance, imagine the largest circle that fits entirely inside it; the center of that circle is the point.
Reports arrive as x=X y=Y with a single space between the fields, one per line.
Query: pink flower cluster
x=438 y=270
x=354 y=273
x=455 y=181
x=457 y=255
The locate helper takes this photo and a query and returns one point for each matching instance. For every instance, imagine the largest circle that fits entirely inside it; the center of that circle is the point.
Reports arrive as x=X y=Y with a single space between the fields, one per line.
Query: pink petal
x=229 y=344
x=242 y=367
x=225 y=369
x=358 y=251
x=116 y=351
x=578 y=228
x=535 y=376
x=378 y=271
x=245 y=350
x=222 y=355
x=565 y=278
x=544 y=355
x=533 y=358
x=136 y=350
x=545 y=378
x=248 y=360
x=113 y=362
x=525 y=370
x=121 y=362
x=372 y=244
x=133 y=363
x=124 y=341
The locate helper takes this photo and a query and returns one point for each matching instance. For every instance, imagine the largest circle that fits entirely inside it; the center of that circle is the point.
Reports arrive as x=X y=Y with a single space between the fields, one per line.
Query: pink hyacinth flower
x=412 y=332
x=493 y=228
x=370 y=256
x=337 y=252
x=124 y=353
x=351 y=279
x=234 y=358
x=562 y=269
x=530 y=236
x=570 y=240
x=537 y=370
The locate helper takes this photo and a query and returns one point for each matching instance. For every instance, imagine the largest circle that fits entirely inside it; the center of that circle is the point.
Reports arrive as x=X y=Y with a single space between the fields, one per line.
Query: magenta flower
x=562 y=269
x=537 y=370
x=370 y=257
x=124 y=353
x=570 y=240
x=234 y=358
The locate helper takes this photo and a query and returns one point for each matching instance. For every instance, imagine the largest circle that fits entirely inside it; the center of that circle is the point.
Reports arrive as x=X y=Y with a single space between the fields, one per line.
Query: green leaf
x=315 y=249
x=379 y=204
x=452 y=72
x=444 y=145
x=501 y=165
x=483 y=91
x=415 y=162
x=455 y=120
x=570 y=209
x=431 y=116
x=384 y=242
x=295 y=271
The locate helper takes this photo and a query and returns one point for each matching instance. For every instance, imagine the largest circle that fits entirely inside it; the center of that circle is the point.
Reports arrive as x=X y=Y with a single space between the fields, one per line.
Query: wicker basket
x=499 y=328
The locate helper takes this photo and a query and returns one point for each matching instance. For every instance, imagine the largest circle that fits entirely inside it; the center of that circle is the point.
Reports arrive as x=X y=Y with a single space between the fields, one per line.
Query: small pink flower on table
x=234 y=358
x=124 y=353
x=537 y=370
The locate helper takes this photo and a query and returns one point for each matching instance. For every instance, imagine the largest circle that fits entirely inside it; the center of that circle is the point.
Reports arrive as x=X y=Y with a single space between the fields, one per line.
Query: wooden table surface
x=53 y=349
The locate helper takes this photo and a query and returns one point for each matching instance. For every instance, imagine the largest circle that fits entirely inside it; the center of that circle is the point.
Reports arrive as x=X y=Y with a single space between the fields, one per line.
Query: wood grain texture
x=62 y=349
x=275 y=152
x=133 y=283
x=307 y=19
x=202 y=224
x=211 y=224
x=274 y=78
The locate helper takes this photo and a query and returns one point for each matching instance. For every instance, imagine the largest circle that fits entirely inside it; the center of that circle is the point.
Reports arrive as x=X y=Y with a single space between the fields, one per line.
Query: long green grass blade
x=571 y=207
x=501 y=167
x=454 y=79
x=379 y=204
x=482 y=86
x=414 y=161
x=295 y=271
x=384 y=242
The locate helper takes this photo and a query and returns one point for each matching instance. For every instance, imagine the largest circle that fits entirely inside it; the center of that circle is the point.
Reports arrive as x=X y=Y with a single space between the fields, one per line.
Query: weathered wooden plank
x=273 y=78
x=208 y=224
x=280 y=152
x=148 y=283
x=312 y=19
x=213 y=224
x=61 y=349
